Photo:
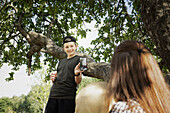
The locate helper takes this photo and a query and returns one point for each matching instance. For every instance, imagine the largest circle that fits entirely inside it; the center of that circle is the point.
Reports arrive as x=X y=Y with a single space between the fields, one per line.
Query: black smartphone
x=83 y=63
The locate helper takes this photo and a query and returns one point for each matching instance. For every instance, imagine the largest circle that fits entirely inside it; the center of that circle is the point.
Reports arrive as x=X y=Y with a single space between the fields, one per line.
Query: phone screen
x=83 y=64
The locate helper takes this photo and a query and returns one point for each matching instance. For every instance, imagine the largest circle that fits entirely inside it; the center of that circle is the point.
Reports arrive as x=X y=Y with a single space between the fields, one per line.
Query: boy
x=63 y=91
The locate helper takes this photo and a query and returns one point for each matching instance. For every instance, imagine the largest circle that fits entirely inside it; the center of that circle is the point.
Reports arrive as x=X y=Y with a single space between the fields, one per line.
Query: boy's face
x=70 y=48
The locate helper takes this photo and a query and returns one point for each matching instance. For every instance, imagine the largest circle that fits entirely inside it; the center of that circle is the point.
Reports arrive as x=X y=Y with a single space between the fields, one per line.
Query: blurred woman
x=136 y=84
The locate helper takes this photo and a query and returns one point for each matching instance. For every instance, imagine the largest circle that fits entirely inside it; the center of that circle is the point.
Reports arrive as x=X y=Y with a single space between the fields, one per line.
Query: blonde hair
x=136 y=75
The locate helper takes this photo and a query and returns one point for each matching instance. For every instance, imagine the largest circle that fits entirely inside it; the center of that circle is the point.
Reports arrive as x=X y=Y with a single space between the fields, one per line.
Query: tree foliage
x=5 y=104
x=34 y=102
x=116 y=20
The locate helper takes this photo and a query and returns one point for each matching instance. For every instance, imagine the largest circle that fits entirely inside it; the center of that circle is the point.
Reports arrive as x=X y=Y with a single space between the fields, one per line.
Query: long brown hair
x=135 y=75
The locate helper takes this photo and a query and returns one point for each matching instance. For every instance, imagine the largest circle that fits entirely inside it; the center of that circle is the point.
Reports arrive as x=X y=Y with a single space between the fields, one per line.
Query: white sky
x=20 y=85
x=22 y=82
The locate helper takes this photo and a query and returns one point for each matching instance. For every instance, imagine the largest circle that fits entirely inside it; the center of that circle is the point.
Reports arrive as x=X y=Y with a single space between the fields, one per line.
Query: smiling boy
x=65 y=81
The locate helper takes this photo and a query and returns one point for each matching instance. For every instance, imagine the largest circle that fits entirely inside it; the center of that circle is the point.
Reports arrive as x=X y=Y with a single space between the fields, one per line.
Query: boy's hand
x=77 y=70
x=53 y=76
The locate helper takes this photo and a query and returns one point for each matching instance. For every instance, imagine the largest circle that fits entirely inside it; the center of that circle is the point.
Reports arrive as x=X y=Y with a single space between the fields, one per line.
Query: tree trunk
x=156 y=18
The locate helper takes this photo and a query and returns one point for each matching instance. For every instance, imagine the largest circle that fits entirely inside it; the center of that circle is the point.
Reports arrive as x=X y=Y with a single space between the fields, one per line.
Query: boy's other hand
x=53 y=76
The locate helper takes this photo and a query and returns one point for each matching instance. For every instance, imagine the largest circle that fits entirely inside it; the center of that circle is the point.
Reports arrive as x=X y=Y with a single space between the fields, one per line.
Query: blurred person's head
x=136 y=75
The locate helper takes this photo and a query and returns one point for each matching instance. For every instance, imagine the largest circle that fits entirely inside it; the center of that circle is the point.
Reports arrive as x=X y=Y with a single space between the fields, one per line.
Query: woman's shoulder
x=124 y=107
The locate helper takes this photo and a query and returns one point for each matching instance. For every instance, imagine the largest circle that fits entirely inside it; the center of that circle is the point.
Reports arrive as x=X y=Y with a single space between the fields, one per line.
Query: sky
x=22 y=82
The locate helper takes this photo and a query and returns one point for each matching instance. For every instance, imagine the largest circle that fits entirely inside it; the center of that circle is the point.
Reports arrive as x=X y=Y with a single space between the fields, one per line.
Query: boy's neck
x=70 y=56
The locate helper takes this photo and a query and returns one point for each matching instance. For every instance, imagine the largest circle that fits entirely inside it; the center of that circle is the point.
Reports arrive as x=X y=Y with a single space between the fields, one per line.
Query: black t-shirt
x=64 y=86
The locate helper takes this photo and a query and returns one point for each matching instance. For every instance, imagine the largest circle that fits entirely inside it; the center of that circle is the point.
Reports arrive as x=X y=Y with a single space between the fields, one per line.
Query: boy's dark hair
x=69 y=39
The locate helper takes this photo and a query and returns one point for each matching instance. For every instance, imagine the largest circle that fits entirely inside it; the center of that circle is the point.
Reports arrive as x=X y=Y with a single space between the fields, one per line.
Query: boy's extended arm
x=78 y=78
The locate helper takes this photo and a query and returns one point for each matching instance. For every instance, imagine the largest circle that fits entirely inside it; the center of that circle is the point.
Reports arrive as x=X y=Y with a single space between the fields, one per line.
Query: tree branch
x=98 y=70
x=59 y=27
x=22 y=30
x=50 y=28
x=39 y=41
